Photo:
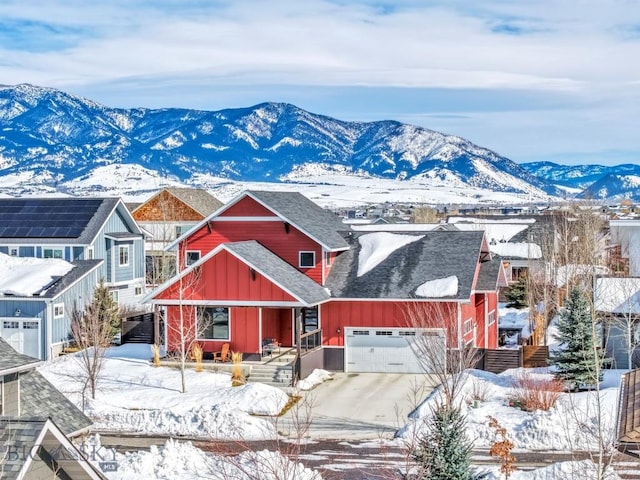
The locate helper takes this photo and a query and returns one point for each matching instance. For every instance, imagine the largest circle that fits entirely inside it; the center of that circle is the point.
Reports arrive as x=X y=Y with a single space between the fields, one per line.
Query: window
x=52 y=253
x=89 y=253
x=468 y=326
x=309 y=319
x=123 y=255
x=138 y=291
x=115 y=295
x=192 y=256
x=384 y=333
x=492 y=317
x=13 y=252
x=407 y=333
x=58 y=310
x=214 y=323
x=10 y=324
x=307 y=259
x=327 y=259
x=30 y=325
x=361 y=332
x=180 y=230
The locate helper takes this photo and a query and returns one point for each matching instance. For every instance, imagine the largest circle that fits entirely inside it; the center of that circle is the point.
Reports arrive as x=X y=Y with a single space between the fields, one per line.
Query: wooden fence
x=499 y=360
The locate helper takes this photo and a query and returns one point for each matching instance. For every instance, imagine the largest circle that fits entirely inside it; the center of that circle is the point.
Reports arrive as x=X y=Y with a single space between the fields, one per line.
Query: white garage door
x=23 y=334
x=388 y=350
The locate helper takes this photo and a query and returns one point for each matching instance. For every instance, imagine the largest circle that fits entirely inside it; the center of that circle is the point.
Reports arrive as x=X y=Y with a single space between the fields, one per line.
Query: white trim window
x=491 y=317
x=115 y=295
x=58 y=310
x=191 y=257
x=468 y=326
x=137 y=290
x=307 y=259
x=89 y=253
x=52 y=253
x=13 y=251
x=123 y=255
x=327 y=259
x=214 y=323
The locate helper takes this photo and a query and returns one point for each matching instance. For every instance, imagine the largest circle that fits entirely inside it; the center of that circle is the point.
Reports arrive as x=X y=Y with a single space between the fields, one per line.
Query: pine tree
x=444 y=453
x=106 y=309
x=517 y=294
x=578 y=362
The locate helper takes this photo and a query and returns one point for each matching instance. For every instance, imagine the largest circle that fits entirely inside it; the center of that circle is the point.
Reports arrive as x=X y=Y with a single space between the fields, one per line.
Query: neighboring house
x=37 y=299
x=73 y=229
x=617 y=303
x=625 y=234
x=36 y=424
x=276 y=265
x=167 y=215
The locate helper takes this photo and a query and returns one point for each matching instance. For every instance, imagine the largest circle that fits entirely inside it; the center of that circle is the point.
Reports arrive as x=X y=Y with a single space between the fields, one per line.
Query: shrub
x=237 y=378
x=532 y=393
x=196 y=353
x=479 y=391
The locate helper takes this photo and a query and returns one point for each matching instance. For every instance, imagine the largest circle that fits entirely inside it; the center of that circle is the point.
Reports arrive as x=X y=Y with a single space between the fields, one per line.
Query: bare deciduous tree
x=93 y=330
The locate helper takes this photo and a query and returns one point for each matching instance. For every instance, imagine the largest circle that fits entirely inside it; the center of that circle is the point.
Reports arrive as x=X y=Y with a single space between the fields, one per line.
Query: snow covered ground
x=135 y=396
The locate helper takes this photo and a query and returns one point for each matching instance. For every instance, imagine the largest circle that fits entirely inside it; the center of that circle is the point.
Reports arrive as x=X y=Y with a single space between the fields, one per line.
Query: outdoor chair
x=270 y=345
x=223 y=355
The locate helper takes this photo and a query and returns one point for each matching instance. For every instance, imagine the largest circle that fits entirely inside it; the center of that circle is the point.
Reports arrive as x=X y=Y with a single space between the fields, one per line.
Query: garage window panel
x=10 y=324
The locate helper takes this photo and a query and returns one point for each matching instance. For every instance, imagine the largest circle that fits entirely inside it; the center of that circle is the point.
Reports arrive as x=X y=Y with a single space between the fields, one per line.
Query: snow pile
x=562 y=470
x=514 y=319
x=495 y=231
x=570 y=425
x=28 y=276
x=516 y=250
x=376 y=247
x=183 y=461
x=442 y=287
x=317 y=377
x=135 y=396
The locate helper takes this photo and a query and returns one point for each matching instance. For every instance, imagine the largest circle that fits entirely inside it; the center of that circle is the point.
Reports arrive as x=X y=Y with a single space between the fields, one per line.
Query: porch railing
x=310 y=340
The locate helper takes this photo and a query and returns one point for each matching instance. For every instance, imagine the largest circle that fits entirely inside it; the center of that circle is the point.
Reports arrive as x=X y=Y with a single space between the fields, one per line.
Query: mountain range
x=54 y=138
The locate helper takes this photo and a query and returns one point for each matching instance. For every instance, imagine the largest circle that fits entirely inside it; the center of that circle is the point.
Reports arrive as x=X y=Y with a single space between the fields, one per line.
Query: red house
x=276 y=265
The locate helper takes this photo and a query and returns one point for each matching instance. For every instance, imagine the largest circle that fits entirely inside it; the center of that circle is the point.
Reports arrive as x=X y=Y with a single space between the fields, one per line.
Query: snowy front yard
x=135 y=396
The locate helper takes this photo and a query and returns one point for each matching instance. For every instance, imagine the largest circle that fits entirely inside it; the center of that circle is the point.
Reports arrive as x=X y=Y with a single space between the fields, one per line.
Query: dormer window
x=307 y=259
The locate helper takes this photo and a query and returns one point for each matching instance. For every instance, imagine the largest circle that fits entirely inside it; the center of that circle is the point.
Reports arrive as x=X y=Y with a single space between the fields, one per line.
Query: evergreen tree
x=517 y=294
x=578 y=362
x=444 y=453
x=106 y=309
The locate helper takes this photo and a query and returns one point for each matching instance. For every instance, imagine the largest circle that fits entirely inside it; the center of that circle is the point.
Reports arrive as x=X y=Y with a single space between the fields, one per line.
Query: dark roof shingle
x=320 y=224
x=10 y=360
x=436 y=255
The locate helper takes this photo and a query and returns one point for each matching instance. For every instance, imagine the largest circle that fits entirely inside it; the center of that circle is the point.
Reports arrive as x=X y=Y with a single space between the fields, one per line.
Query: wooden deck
x=629 y=413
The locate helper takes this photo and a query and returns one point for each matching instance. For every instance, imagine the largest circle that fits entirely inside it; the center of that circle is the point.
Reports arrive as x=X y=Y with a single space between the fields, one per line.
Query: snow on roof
x=495 y=231
x=441 y=287
x=617 y=295
x=28 y=276
x=376 y=247
x=516 y=250
x=564 y=273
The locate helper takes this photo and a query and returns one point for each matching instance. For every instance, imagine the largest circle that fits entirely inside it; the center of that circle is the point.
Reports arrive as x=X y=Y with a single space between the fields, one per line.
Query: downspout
x=486 y=321
x=260 y=337
x=48 y=352
x=460 y=342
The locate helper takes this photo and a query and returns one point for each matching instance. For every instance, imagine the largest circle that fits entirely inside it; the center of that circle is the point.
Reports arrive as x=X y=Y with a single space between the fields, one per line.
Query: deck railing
x=310 y=340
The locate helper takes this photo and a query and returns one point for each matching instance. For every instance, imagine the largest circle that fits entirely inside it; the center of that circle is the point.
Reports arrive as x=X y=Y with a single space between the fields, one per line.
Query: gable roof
x=433 y=255
x=68 y=220
x=268 y=264
x=12 y=361
x=491 y=275
x=197 y=198
x=38 y=397
x=40 y=436
x=317 y=223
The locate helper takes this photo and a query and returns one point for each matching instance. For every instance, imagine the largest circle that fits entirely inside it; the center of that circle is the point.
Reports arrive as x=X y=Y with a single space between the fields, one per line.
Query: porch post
x=260 y=338
x=298 y=319
x=156 y=325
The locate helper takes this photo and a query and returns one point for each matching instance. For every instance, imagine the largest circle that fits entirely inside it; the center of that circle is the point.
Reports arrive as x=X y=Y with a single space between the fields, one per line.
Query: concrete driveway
x=358 y=406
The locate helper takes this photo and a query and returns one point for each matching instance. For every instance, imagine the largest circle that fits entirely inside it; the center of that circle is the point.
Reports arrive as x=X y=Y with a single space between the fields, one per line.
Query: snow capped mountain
x=596 y=181
x=60 y=138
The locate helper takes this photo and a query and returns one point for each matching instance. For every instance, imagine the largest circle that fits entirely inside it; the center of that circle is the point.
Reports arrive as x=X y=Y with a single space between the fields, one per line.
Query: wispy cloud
x=583 y=52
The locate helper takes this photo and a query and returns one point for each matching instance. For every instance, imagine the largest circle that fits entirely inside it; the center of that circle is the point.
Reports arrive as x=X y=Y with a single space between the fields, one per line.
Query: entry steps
x=276 y=375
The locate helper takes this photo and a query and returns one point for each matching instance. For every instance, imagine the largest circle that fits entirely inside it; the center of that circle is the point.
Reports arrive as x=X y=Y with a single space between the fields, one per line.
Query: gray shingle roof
x=89 y=231
x=24 y=433
x=197 y=198
x=269 y=264
x=10 y=360
x=488 y=275
x=320 y=224
x=439 y=254
x=38 y=397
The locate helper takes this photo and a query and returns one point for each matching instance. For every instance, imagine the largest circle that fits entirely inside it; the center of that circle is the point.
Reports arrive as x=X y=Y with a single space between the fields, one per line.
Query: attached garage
x=390 y=350
x=23 y=334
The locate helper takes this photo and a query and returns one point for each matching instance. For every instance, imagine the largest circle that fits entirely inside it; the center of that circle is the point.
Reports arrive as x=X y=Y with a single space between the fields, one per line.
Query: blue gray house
x=98 y=238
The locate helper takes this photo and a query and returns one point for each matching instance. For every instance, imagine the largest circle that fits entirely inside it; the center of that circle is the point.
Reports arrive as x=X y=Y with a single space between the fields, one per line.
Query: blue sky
x=532 y=80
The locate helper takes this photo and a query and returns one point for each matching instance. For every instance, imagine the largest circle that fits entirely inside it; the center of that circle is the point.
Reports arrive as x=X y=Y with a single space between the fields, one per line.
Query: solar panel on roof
x=46 y=218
